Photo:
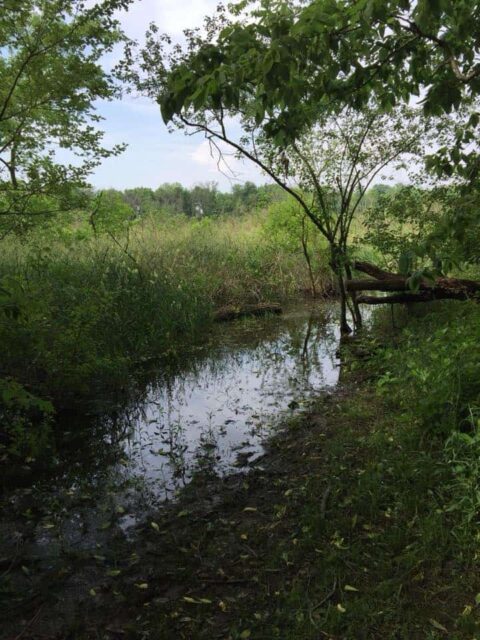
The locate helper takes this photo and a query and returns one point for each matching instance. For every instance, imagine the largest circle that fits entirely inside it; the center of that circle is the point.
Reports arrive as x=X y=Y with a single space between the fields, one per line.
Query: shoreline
x=324 y=537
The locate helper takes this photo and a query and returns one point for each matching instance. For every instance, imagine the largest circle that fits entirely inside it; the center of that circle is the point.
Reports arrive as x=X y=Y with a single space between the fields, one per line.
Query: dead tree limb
x=396 y=298
x=440 y=289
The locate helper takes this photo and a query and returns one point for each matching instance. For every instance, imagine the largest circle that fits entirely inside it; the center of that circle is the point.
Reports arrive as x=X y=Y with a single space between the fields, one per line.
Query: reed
x=80 y=311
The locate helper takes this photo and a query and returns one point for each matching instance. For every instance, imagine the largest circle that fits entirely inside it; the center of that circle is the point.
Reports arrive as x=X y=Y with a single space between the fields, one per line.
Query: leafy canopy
x=288 y=60
x=51 y=74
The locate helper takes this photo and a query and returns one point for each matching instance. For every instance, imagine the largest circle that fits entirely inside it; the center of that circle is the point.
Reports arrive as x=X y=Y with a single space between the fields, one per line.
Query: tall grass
x=78 y=312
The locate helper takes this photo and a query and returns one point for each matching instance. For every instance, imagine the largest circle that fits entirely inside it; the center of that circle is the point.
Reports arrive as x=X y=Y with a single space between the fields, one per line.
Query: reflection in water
x=215 y=416
x=211 y=415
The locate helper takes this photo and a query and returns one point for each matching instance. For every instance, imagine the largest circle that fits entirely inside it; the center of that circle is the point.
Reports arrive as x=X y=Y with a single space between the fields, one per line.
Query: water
x=212 y=414
x=216 y=416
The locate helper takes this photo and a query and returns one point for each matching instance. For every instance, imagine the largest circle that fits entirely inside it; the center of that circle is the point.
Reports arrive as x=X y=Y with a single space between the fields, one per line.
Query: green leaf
x=437 y=625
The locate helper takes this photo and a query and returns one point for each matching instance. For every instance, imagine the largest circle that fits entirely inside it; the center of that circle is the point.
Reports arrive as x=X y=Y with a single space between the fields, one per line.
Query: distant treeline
x=200 y=200
x=203 y=199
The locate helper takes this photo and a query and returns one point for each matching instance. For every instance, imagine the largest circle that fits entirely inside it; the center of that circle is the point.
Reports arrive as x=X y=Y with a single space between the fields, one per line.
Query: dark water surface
x=211 y=414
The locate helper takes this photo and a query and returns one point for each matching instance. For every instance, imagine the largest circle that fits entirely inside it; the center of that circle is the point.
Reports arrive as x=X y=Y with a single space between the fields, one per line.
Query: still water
x=216 y=415
x=212 y=413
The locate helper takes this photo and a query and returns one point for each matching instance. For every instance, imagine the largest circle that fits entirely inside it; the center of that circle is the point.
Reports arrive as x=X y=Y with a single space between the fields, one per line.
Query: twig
x=323 y=504
x=29 y=624
x=227 y=582
x=329 y=595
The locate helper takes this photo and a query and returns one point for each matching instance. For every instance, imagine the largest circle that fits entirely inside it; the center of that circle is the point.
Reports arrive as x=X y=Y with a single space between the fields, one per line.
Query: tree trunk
x=338 y=268
x=345 y=328
x=357 y=315
x=307 y=258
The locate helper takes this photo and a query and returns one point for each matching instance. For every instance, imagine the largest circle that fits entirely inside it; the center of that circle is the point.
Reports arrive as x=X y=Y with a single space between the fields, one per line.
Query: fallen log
x=404 y=298
x=464 y=289
x=367 y=284
x=232 y=312
x=440 y=289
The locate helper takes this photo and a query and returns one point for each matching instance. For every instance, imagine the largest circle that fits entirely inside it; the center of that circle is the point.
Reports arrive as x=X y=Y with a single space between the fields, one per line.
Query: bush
x=434 y=372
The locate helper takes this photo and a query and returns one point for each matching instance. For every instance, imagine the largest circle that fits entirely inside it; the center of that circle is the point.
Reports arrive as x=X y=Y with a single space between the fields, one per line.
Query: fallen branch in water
x=232 y=312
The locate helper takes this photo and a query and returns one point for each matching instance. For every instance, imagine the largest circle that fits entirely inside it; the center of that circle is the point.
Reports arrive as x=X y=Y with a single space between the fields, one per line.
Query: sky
x=154 y=155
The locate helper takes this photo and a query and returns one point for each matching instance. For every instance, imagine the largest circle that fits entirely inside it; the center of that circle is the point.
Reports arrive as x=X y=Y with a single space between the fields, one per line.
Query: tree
x=288 y=225
x=324 y=155
x=174 y=198
x=293 y=55
x=398 y=50
x=51 y=74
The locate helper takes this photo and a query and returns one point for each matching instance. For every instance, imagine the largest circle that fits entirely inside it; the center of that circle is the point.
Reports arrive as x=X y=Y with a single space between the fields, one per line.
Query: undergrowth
x=401 y=540
x=80 y=312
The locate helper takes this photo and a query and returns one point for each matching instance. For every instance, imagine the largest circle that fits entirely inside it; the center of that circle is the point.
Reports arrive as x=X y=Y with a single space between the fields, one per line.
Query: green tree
x=51 y=74
x=110 y=212
x=174 y=198
x=324 y=156
x=287 y=225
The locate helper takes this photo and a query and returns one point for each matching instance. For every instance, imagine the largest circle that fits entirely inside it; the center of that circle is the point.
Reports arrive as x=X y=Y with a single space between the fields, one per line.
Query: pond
x=212 y=414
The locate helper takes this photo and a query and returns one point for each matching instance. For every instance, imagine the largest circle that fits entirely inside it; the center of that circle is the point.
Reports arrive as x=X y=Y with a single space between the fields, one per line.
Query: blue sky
x=155 y=156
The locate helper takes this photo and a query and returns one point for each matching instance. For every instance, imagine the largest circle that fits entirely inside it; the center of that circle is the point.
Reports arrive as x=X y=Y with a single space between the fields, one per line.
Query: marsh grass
x=79 y=312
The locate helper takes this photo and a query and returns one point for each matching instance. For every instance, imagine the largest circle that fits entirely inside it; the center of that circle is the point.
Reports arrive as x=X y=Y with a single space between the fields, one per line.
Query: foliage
x=399 y=222
x=434 y=372
x=200 y=200
x=455 y=239
x=325 y=156
x=292 y=58
x=287 y=226
x=51 y=74
x=79 y=316
x=26 y=420
x=278 y=69
x=412 y=227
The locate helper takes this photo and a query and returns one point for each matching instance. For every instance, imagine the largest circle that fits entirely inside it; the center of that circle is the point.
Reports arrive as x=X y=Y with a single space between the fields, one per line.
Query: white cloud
x=141 y=105
x=174 y=16
x=171 y=16
x=203 y=156
x=221 y=161
x=153 y=156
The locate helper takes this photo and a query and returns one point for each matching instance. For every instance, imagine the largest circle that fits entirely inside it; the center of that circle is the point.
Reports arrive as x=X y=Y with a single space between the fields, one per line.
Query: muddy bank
x=196 y=567
x=333 y=533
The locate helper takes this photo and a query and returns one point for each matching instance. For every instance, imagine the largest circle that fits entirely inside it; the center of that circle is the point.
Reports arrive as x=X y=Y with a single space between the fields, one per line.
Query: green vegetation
x=361 y=520
x=82 y=311
x=51 y=74
x=326 y=165
x=399 y=537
